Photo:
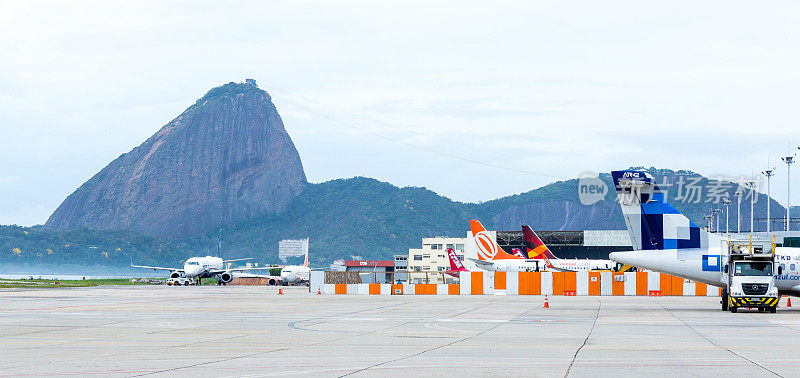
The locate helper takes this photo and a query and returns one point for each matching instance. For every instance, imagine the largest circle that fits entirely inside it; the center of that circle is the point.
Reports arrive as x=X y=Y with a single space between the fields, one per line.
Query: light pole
x=709 y=219
x=769 y=173
x=726 y=202
x=738 y=195
x=788 y=160
x=753 y=194
x=716 y=220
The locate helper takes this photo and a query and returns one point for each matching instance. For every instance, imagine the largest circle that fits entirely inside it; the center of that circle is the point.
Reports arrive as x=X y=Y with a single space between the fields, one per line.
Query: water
x=65 y=277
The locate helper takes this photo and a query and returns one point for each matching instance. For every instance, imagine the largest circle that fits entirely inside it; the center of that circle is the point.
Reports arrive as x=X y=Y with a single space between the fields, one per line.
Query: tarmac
x=225 y=331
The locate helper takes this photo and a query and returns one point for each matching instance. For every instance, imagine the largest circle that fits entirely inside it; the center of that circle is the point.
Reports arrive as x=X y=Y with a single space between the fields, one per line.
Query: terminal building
x=292 y=248
x=425 y=262
x=371 y=271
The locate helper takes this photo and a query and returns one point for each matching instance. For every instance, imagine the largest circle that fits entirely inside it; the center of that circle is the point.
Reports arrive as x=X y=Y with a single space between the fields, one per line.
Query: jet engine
x=176 y=275
x=272 y=282
x=226 y=277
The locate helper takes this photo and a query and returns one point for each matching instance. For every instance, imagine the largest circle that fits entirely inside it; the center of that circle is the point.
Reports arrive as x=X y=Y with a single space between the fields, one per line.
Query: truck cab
x=750 y=272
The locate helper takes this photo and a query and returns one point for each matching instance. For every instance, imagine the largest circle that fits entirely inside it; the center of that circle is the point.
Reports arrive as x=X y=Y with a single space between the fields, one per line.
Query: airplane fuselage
x=511 y=265
x=706 y=266
x=199 y=267
x=294 y=274
x=576 y=265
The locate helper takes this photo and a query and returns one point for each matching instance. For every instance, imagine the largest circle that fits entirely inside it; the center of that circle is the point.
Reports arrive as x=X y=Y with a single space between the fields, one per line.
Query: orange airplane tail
x=488 y=249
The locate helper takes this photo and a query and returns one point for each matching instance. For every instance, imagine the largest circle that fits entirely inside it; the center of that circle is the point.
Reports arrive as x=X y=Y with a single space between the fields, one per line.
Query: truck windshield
x=752 y=268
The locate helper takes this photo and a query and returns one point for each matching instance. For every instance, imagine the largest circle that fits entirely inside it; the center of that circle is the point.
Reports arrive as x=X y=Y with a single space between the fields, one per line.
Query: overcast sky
x=405 y=92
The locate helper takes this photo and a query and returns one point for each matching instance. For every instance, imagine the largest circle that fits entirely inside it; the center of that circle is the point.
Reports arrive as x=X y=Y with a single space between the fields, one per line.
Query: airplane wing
x=220 y=271
x=483 y=264
x=157 y=268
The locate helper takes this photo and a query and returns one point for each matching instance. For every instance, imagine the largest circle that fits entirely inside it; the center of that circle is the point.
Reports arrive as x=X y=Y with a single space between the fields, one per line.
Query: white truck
x=750 y=272
x=180 y=281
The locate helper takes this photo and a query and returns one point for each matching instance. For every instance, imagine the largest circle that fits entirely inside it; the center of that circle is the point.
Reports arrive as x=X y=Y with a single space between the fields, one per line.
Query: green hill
x=356 y=216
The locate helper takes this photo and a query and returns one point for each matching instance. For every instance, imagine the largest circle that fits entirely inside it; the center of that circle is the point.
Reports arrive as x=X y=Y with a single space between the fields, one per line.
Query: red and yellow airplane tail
x=488 y=249
x=535 y=246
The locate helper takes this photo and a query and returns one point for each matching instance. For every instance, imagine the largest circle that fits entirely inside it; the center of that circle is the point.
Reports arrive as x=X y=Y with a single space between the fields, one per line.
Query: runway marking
x=717 y=345
x=437 y=347
x=104 y=304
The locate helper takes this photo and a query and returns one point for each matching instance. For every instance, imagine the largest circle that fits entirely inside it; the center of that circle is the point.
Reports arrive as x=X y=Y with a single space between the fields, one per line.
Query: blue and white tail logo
x=652 y=223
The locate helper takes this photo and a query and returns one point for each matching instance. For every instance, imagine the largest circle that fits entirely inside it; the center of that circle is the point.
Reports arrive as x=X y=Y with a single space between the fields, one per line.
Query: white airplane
x=491 y=257
x=296 y=274
x=204 y=267
x=537 y=250
x=664 y=240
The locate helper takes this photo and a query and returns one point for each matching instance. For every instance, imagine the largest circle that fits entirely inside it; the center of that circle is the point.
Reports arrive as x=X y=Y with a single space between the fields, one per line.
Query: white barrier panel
x=408 y=289
x=712 y=291
x=441 y=289
x=352 y=288
x=688 y=287
x=653 y=281
x=582 y=283
x=606 y=281
x=630 y=283
x=386 y=289
x=464 y=283
x=512 y=283
x=363 y=289
x=547 y=283
x=328 y=289
x=488 y=282
x=316 y=281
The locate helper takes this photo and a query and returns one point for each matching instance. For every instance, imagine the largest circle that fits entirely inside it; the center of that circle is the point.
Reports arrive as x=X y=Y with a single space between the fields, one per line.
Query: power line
x=423 y=148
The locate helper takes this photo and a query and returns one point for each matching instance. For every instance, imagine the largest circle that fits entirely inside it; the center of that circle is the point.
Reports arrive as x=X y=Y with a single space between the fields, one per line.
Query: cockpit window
x=192 y=263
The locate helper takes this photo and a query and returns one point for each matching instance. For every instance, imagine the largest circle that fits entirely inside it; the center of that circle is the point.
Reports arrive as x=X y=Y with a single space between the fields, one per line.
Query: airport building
x=292 y=248
x=371 y=271
x=432 y=258
x=400 y=268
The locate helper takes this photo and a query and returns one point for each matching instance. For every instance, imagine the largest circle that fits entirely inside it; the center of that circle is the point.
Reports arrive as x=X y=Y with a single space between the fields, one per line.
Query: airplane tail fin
x=652 y=223
x=305 y=263
x=455 y=263
x=535 y=246
x=488 y=249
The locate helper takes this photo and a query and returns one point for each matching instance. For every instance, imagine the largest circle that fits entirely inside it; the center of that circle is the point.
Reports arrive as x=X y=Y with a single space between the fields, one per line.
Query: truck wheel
x=186 y=283
x=724 y=303
x=734 y=309
x=773 y=310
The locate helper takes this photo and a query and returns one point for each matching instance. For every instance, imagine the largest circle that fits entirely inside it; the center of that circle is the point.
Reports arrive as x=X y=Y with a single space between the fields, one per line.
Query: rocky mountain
x=227 y=158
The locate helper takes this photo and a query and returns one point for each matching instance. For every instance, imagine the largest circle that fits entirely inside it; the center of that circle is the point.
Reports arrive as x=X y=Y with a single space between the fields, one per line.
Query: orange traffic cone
x=789 y=302
x=319 y=291
x=280 y=291
x=546 y=303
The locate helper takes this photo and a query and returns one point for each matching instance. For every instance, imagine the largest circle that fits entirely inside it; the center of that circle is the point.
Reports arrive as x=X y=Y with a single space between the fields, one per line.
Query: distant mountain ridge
x=226 y=158
x=359 y=216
